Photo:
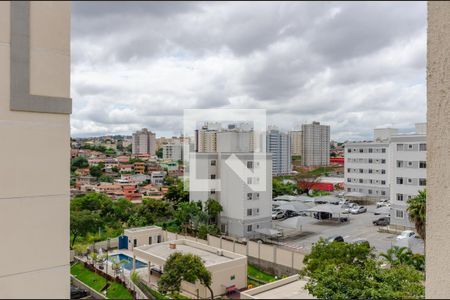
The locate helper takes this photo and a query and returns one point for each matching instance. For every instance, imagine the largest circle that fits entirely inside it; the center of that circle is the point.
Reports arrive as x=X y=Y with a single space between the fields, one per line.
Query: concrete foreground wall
x=438 y=143
x=35 y=149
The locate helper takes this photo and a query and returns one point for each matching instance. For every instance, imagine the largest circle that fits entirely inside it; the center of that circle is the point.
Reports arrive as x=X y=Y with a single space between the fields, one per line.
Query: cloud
x=355 y=66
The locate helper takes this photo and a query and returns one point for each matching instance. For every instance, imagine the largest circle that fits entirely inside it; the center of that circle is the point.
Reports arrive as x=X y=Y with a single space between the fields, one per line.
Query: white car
x=406 y=235
x=279 y=214
x=358 y=210
x=383 y=202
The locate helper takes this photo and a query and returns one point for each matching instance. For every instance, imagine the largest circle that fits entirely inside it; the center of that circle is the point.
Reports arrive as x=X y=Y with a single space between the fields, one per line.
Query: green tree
x=352 y=271
x=95 y=171
x=176 y=193
x=213 y=209
x=185 y=212
x=122 y=209
x=80 y=162
x=110 y=152
x=159 y=152
x=115 y=169
x=82 y=222
x=106 y=178
x=404 y=256
x=187 y=267
x=279 y=188
x=417 y=212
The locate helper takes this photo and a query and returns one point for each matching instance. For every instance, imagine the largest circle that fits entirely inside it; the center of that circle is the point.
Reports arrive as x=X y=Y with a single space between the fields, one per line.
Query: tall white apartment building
x=409 y=173
x=144 y=142
x=296 y=139
x=173 y=151
x=315 y=144
x=35 y=108
x=244 y=209
x=367 y=165
x=279 y=145
x=206 y=137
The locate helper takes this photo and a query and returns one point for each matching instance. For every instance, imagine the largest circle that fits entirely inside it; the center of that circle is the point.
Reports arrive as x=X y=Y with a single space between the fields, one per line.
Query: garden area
x=113 y=290
x=257 y=277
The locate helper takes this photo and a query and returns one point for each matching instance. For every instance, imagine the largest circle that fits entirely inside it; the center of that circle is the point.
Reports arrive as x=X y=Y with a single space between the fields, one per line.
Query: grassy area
x=98 y=283
x=254 y=272
x=321 y=171
x=118 y=291
x=151 y=291
x=90 y=278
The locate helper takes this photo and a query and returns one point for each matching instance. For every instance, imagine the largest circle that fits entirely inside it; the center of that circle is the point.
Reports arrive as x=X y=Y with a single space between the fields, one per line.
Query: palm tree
x=417 y=212
x=397 y=255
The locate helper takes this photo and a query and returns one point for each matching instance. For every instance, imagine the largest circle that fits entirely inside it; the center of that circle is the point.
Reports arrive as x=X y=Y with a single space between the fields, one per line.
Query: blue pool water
x=129 y=264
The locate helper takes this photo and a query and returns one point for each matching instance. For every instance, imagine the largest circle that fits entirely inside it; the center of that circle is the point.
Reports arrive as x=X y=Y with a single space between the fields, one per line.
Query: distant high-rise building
x=206 y=138
x=315 y=144
x=278 y=143
x=144 y=142
x=173 y=151
x=296 y=137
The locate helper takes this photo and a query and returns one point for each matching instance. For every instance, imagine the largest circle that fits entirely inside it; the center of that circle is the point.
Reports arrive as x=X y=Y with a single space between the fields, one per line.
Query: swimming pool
x=129 y=264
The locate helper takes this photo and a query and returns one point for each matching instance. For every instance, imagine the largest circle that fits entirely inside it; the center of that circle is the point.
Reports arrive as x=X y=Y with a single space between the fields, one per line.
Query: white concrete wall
x=34 y=188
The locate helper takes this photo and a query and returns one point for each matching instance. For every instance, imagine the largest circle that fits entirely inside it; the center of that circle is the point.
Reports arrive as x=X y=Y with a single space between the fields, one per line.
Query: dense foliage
x=340 y=270
x=417 y=212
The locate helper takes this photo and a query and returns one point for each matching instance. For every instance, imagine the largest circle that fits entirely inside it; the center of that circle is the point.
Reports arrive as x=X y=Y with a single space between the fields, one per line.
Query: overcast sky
x=354 y=66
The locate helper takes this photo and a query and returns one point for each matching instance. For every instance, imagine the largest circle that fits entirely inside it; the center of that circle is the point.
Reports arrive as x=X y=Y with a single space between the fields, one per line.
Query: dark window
x=423 y=164
x=399 y=180
x=423 y=147
x=135 y=243
x=383 y=150
x=383 y=161
x=422 y=181
x=249 y=212
x=213 y=162
x=213 y=176
x=250 y=164
x=383 y=182
x=249 y=227
x=159 y=239
x=149 y=240
x=213 y=191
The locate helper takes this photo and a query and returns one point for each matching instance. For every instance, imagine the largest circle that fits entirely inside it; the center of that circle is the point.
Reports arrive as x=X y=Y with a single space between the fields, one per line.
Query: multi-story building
x=35 y=109
x=244 y=209
x=144 y=142
x=206 y=137
x=296 y=139
x=279 y=145
x=367 y=165
x=408 y=173
x=315 y=144
x=173 y=151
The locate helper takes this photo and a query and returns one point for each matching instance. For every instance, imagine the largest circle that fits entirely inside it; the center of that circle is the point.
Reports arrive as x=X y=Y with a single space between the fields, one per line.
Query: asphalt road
x=359 y=227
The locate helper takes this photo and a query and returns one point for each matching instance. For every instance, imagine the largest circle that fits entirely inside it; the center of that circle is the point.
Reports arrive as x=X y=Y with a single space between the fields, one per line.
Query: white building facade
x=173 y=151
x=279 y=145
x=315 y=144
x=296 y=139
x=409 y=173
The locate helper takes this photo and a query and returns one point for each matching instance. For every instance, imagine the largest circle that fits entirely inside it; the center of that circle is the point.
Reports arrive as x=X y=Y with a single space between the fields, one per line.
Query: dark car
x=291 y=213
x=322 y=215
x=384 y=221
x=77 y=293
x=336 y=238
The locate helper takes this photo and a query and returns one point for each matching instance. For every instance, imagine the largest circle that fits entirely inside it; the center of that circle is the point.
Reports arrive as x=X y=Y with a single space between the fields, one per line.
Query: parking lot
x=359 y=227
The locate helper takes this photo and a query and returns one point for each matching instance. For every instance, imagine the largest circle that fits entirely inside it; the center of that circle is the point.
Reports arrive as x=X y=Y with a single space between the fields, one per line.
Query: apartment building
x=35 y=109
x=244 y=209
x=279 y=145
x=143 y=142
x=315 y=144
x=296 y=139
x=367 y=165
x=409 y=173
x=206 y=137
x=173 y=151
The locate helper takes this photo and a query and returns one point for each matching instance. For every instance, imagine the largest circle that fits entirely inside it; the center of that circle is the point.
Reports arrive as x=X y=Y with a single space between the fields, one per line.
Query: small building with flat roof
x=228 y=269
x=141 y=236
x=291 y=287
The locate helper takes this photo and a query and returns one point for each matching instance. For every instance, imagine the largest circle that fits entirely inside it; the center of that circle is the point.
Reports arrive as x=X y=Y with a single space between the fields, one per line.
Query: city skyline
x=328 y=62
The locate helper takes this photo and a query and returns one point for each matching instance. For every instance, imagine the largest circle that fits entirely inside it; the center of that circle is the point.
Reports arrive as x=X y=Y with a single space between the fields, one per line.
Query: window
x=213 y=191
x=232 y=277
x=383 y=150
x=399 y=164
x=383 y=161
x=361 y=171
x=348 y=170
x=399 y=147
x=250 y=164
x=249 y=212
x=249 y=228
x=383 y=181
x=256 y=196
x=370 y=192
x=423 y=164
x=249 y=196
x=361 y=150
x=249 y=180
x=213 y=162
x=349 y=150
x=256 y=211
x=213 y=176
x=409 y=180
x=158 y=239
x=149 y=240
x=399 y=180
x=349 y=180
x=383 y=193
x=135 y=243
x=370 y=160
x=410 y=146
x=360 y=181
x=383 y=171
x=422 y=181
x=370 y=171
x=370 y=150
x=423 y=147
x=399 y=214
x=410 y=163
x=400 y=197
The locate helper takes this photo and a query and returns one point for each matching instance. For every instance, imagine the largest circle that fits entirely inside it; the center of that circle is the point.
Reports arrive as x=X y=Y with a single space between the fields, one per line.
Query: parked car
x=343 y=201
x=348 y=205
x=335 y=238
x=322 y=215
x=77 y=293
x=406 y=235
x=358 y=210
x=384 y=221
x=383 y=202
x=291 y=213
x=279 y=214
